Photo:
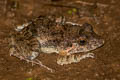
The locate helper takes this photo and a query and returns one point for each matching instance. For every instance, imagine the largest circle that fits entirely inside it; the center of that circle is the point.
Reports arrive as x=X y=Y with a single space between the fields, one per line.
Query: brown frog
x=50 y=34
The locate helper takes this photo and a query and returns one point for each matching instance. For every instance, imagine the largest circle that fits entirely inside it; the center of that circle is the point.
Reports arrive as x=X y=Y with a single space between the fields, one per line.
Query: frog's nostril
x=82 y=42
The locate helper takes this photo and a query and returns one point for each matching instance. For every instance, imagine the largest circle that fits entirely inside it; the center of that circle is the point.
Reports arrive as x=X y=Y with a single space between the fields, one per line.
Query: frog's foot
x=73 y=58
x=38 y=62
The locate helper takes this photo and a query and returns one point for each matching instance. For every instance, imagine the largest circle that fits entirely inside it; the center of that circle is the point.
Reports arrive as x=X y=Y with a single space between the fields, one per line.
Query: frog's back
x=55 y=36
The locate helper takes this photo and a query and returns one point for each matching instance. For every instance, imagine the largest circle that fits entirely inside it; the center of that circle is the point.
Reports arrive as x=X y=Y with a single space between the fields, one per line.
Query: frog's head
x=88 y=40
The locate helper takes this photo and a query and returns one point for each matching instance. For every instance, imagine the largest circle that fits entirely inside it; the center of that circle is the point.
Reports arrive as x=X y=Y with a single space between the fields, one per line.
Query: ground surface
x=105 y=18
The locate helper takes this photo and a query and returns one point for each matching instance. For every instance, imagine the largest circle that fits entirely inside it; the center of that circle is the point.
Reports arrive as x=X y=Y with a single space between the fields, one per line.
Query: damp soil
x=104 y=15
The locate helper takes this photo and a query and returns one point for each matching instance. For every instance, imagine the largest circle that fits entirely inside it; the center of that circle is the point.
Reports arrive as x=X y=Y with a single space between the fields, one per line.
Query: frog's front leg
x=61 y=60
x=66 y=52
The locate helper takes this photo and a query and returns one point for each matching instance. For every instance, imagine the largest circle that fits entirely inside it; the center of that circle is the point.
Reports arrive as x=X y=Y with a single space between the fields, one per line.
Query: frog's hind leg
x=38 y=62
x=61 y=60
x=32 y=59
x=13 y=52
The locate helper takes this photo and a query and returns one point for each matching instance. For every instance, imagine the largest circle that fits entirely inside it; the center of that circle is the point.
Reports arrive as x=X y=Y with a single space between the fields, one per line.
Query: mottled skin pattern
x=50 y=34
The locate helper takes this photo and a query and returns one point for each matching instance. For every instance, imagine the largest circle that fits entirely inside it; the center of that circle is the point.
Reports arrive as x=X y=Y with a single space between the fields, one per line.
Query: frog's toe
x=38 y=62
x=89 y=55
x=12 y=50
x=62 y=60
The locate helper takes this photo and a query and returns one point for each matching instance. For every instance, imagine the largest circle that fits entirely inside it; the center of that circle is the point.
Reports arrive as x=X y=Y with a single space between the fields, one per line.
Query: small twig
x=87 y=3
x=73 y=23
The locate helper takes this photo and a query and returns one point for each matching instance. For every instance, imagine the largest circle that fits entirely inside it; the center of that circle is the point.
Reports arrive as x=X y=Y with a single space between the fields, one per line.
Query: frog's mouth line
x=98 y=43
x=88 y=47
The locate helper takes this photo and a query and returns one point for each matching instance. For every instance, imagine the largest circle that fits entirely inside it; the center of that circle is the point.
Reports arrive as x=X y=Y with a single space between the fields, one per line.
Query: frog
x=54 y=34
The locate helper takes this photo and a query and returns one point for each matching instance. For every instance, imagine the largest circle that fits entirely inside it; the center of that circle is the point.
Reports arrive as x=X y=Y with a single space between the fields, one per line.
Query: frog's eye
x=82 y=42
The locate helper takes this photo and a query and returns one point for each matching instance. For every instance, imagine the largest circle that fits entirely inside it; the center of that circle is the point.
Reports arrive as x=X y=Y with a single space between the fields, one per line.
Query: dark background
x=104 y=15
